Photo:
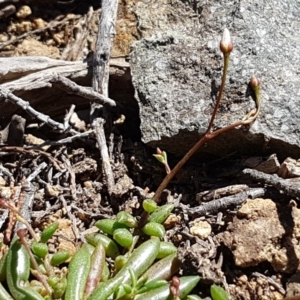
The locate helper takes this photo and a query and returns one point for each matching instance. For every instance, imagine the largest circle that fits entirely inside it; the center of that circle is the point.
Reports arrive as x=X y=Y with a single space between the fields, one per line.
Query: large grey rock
x=176 y=70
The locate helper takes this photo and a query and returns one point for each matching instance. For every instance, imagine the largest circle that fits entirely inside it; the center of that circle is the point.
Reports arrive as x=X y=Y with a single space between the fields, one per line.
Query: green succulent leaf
x=164 y=155
x=218 y=293
x=161 y=213
x=127 y=219
x=160 y=158
x=123 y=237
x=165 y=249
x=109 y=226
x=120 y=261
x=193 y=297
x=39 y=249
x=59 y=258
x=154 y=229
x=152 y=285
x=48 y=232
x=110 y=246
x=149 y=205
x=60 y=288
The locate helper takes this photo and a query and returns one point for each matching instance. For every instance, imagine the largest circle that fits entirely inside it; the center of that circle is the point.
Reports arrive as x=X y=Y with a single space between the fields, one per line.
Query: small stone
x=23 y=12
x=39 y=23
x=290 y=168
x=33 y=140
x=5 y=192
x=202 y=229
x=178 y=238
x=88 y=184
x=53 y=190
x=243 y=279
x=3 y=38
x=2 y=181
x=171 y=221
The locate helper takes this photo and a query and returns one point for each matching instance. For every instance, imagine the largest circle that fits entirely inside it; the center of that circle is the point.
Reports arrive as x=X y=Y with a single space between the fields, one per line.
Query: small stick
x=7 y=11
x=100 y=81
x=63 y=141
x=12 y=219
x=49 y=26
x=100 y=136
x=36 y=172
x=75 y=47
x=272 y=179
x=71 y=87
x=19 y=218
x=71 y=217
x=68 y=116
x=5 y=93
x=223 y=203
x=71 y=173
x=26 y=198
x=6 y=172
x=25 y=204
x=271 y=281
x=32 y=152
x=91 y=215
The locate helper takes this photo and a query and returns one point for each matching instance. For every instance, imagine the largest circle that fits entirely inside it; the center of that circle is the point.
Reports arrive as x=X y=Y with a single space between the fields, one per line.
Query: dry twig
x=274 y=180
x=75 y=46
x=100 y=81
x=71 y=87
x=223 y=203
x=71 y=217
x=68 y=165
x=51 y=25
x=7 y=11
x=4 y=93
x=34 y=152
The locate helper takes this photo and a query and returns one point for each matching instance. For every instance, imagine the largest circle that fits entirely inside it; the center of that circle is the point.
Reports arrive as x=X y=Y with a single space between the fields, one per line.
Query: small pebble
x=202 y=229
x=23 y=12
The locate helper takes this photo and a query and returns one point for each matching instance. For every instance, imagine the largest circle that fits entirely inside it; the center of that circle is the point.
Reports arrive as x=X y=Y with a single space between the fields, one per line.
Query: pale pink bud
x=21 y=232
x=158 y=151
x=226 y=45
x=254 y=82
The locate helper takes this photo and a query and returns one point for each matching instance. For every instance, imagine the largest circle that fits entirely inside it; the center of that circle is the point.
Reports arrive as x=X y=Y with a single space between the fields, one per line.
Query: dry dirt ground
x=250 y=247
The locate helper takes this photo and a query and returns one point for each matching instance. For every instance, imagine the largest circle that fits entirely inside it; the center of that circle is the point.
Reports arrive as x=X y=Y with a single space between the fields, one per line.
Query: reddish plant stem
x=193 y=150
x=213 y=116
x=208 y=134
x=39 y=275
x=205 y=138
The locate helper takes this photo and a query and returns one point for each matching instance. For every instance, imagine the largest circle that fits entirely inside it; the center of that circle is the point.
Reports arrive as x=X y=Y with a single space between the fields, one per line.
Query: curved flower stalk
x=226 y=46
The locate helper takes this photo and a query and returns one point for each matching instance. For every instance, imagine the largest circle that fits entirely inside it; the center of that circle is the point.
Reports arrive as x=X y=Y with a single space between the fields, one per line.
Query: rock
x=290 y=168
x=202 y=229
x=53 y=190
x=293 y=286
x=87 y=165
x=262 y=232
x=122 y=186
x=177 y=66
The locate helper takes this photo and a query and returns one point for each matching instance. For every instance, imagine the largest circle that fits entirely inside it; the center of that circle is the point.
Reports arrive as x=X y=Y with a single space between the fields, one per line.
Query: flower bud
x=158 y=151
x=254 y=82
x=21 y=232
x=226 y=45
x=3 y=203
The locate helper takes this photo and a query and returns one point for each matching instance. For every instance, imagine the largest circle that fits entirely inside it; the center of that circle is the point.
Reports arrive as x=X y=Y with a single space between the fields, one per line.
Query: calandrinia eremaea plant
x=226 y=47
x=143 y=268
